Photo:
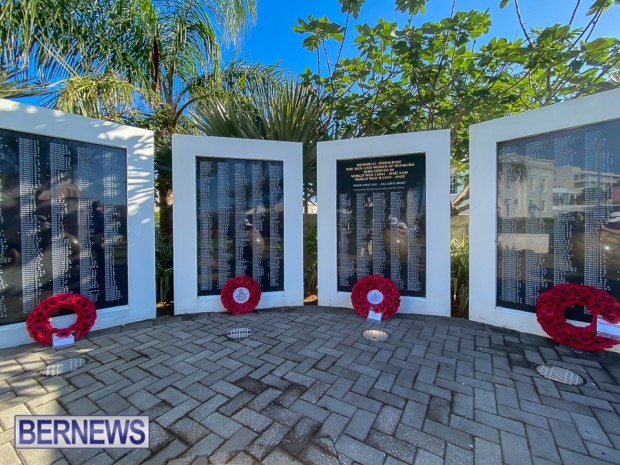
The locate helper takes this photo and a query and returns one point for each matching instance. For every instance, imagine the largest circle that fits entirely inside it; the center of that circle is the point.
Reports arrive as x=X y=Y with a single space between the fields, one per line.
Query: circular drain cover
x=375 y=335
x=236 y=334
x=561 y=375
x=63 y=366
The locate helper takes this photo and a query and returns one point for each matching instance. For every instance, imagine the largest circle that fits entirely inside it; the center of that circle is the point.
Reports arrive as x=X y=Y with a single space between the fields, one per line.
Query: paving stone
x=514 y=449
x=143 y=400
x=177 y=412
x=498 y=422
x=205 y=446
x=333 y=427
x=446 y=433
x=82 y=380
x=238 y=442
x=199 y=392
x=486 y=453
x=439 y=410
x=172 y=395
x=158 y=438
x=222 y=425
x=9 y=456
x=172 y=450
x=253 y=420
x=41 y=456
x=414 y=414
x=315 y=392
x=113 y=404
x=394 y=447
x=567 y=436
x=600 y=452
x=458 y=456
x=236 y=403
x=281 y=415
x=297 y=439
x=570 y=457
x=279 y=457
x=387 y=420
x=359 y=451
x=7 y=417
x=337 y=406
x=590 y=430
x=340 y=388
x=422 y=440
x=225 y=388
x=208 y=407
x=426 y=458
x=267 y=441
x=290 y=395
x=81 y=406
x=310 y=410
x=477 y=429
x=542 y=444
x=485 y=400
x=362 y=402
x=188 y=430
x=313 y=455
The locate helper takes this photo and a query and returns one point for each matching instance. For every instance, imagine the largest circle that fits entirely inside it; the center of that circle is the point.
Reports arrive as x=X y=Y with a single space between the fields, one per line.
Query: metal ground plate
x=236 y=334
x=560 y=375
x=63 y=366
x=375 y=335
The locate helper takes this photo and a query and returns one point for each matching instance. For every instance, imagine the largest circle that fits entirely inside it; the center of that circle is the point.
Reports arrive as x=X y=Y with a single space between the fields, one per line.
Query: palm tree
x=10 y=87
x=136 y=60
x=286 y=112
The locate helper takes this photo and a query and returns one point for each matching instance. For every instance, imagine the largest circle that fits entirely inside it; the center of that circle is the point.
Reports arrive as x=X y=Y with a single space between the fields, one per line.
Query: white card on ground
x=58 y=342
x=606 y=329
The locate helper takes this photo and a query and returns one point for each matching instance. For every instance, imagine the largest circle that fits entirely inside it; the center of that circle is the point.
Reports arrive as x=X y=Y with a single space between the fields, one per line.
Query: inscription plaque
x=240 y=207
x=558 y=214
x=63 y=222
x=381 y=208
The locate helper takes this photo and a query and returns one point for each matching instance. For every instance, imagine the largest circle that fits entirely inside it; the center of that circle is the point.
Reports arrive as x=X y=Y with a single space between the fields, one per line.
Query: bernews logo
x=65 y=432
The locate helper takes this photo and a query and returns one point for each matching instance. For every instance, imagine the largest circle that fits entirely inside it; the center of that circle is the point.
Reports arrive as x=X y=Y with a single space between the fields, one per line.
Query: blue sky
x=272 y=38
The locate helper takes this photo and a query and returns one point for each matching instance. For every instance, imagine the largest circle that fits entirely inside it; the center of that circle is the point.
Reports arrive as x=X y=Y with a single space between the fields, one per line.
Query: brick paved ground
x=307 y=388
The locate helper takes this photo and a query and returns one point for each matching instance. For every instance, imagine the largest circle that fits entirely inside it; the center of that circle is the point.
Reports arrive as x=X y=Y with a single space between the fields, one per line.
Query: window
x=454 y=187
x=543 y=184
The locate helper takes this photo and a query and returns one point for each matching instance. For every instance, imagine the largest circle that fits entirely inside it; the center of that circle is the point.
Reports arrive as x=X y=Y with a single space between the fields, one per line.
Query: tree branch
x=521 y=22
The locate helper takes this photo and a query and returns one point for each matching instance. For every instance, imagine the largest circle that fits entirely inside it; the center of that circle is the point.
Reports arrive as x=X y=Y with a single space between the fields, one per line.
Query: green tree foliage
x=449 y=74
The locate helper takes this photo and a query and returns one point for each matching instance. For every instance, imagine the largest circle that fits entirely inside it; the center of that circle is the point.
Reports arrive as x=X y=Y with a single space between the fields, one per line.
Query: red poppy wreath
x=377 y=292
x=550 y=312
x=38 y=321
x=240 y=295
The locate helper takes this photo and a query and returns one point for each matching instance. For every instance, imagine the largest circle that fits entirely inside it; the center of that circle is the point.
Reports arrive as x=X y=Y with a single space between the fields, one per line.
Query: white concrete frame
x=436 y=146
x=483 y=195
x=140 y=206
x=185 y=150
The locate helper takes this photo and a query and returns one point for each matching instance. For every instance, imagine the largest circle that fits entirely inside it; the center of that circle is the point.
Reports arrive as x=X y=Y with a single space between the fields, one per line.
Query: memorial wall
x=240 y=211
x=63 y=222
x=229 y=220
x=558 y=214
x=380 y=225
x=378 y=215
